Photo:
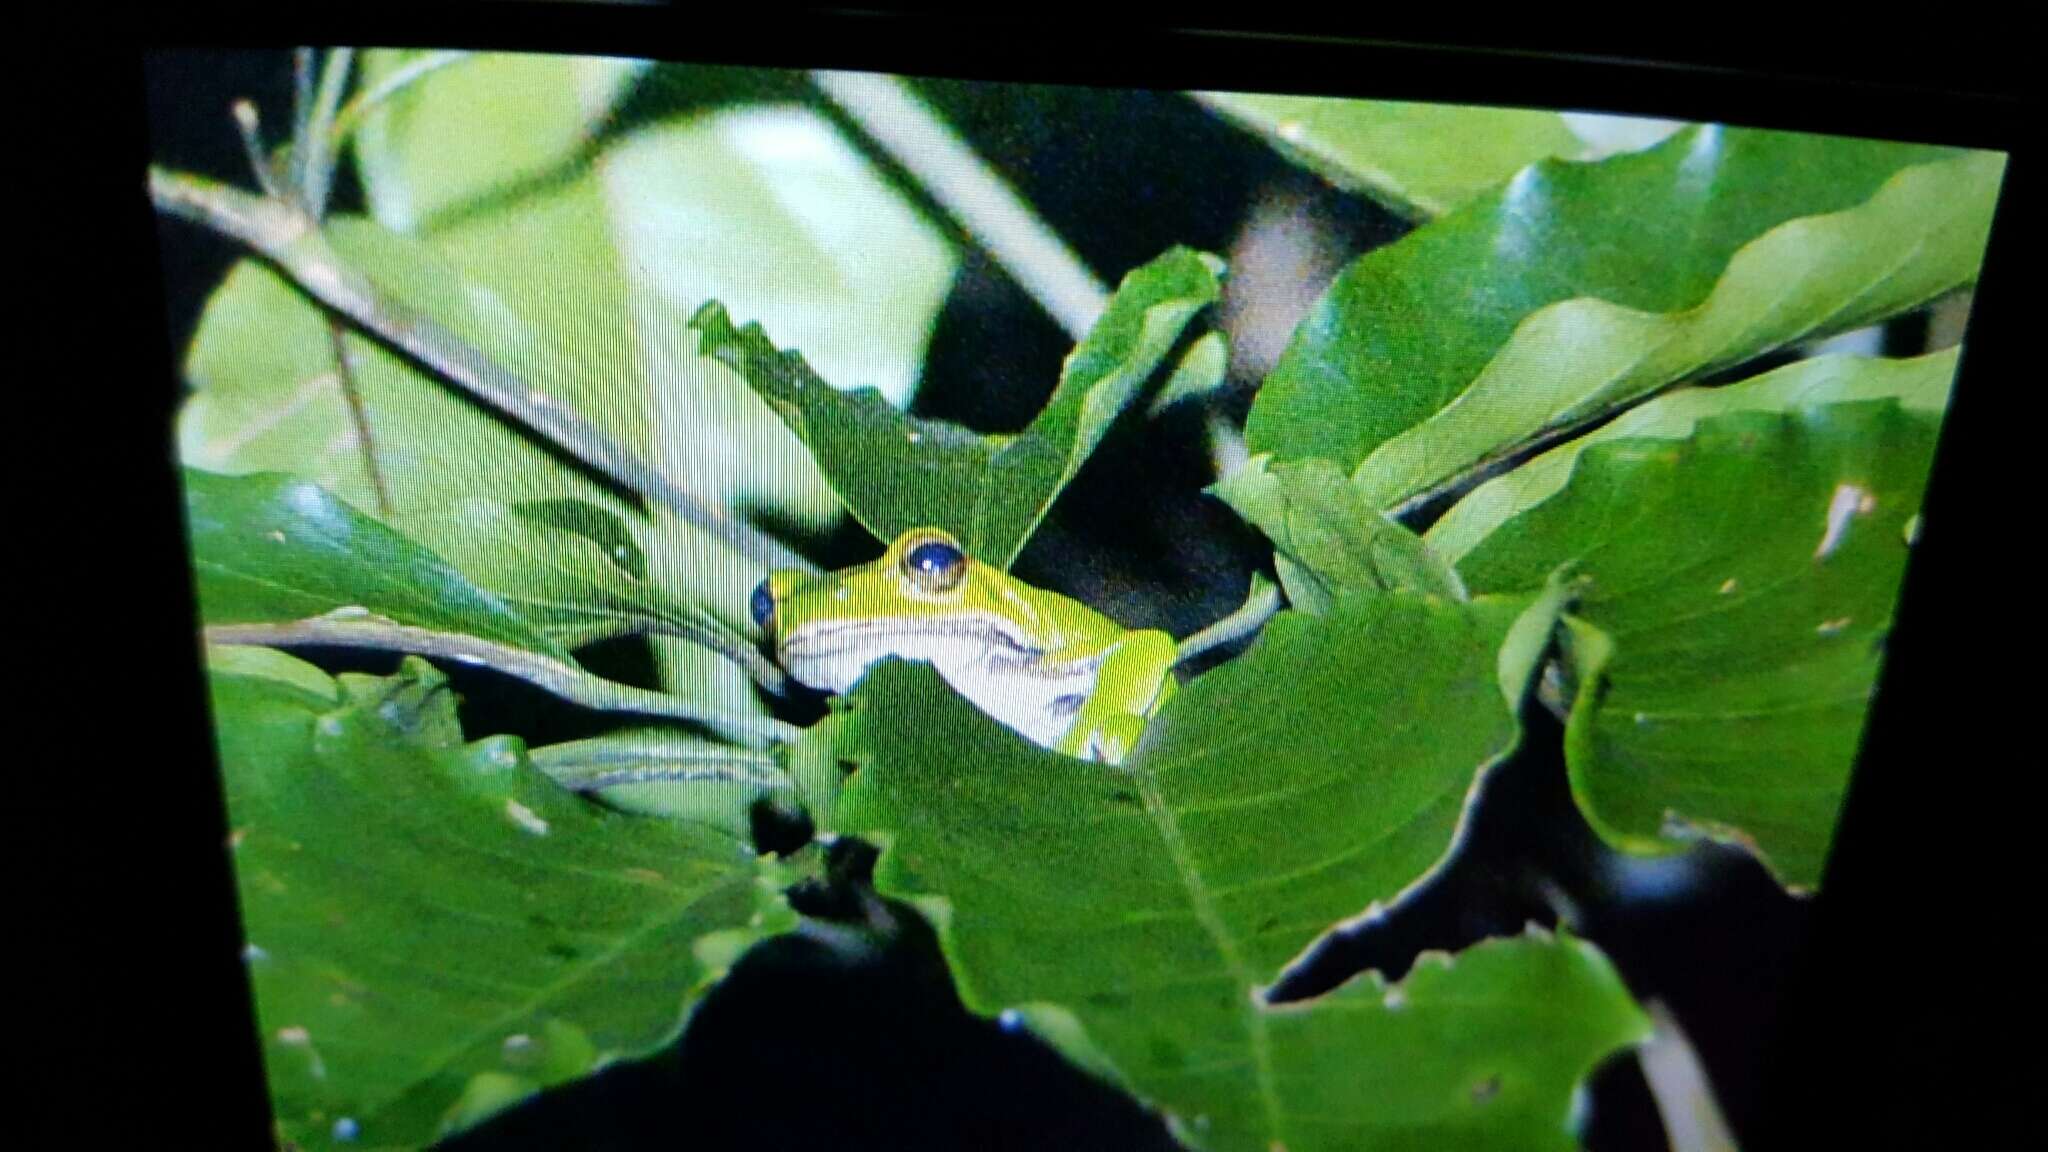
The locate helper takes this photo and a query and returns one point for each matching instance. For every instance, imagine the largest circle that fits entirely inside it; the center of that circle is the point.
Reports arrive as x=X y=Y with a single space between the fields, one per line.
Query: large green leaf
x=1134 y=915
x=1554 y=295
x=1735 y=584
x=270 y=548
x=1419 y=159
x=1921 y=384
x=434 y=929
x=897 y=472
x=1327 y=537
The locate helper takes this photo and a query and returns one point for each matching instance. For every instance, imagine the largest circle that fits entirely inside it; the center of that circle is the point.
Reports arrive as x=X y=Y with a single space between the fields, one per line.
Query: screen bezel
x=1831 y=1056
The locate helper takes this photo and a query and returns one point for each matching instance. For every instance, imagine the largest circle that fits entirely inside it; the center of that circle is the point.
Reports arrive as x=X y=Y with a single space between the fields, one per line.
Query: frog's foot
x=1110 y=740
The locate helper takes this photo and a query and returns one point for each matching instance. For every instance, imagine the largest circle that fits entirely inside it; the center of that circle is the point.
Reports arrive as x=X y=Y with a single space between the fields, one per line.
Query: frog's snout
x=762 y=605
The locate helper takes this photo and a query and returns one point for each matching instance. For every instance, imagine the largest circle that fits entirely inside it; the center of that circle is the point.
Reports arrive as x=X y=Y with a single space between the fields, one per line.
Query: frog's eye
x=762 y=605
x=935 y=565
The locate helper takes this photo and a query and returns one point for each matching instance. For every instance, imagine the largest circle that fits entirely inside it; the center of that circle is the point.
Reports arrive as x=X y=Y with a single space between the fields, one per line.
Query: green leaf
x=572 y=569
x=662 y=772
x=897 y=472
x=1418 y=159
x=1734 y=588
x=1580 y=286
x=1328 y=538
x=1201 y=372
x=271 y=548
x=573 y=254
x=1147 y=906
x=765 y=206
x=267 y=396
x=1920 y=384
x=434 y=929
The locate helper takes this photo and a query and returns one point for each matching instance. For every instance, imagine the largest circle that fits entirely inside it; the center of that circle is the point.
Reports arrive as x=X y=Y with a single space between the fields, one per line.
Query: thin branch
x=892 y=115
x=337 y=337
x=250 y=125
x=318 y=170
x=1259 y=606
x=1678 y=1084
x=291 y=240
x=544 y=672
x=304 y=61
x=368 y=100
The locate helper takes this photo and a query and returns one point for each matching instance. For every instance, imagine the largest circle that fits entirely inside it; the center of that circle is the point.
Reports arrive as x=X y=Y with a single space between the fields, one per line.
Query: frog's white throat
x=983 y=656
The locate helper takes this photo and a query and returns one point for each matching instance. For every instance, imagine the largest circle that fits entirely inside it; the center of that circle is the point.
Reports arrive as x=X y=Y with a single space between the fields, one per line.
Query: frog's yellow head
x=925 y=598
x=1031 y=659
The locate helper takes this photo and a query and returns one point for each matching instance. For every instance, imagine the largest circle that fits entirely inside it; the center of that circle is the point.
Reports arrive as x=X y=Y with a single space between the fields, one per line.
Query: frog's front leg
x=1134 y=679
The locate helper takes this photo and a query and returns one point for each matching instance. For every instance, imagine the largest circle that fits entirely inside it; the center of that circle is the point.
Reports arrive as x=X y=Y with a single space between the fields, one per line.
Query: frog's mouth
x=831 y=657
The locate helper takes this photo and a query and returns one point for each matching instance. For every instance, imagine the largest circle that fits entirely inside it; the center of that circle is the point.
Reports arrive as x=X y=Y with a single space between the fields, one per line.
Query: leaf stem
x=890 y=113
x=544 y=672
x=250 y=125
x=1259 y=606
x=291 y=240
x=401 y=78
x=597 y=764
x=318 y=169
x=758 y=668
x=337 y=338
x=1678 y=1084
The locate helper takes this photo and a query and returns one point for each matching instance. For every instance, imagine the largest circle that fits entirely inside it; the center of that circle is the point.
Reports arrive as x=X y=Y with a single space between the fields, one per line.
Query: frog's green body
x=1064 y=676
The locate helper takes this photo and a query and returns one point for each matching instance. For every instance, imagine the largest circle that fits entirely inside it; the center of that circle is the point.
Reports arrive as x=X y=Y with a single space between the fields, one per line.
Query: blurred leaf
x=1329 y=537
x=663 y=772
x=573 y=256
x=572 y=569
x=434 y=929
x=1735 y=582
x=271 y=548
x=897 y=472
x=267 y=396
x=1418 y=159
x=1273 y=798
x=1406 y=331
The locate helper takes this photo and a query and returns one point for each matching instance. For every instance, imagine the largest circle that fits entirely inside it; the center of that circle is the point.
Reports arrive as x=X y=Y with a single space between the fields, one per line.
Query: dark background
x=1855 y=1015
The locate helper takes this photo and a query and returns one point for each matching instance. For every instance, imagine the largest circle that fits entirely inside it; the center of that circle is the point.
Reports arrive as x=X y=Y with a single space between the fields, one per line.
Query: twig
x=1685 y=1100
x=318 y=169
x=292 y=241
x=251 y=127
x=401 y=78
x=1259 y=606
x=303 y=63
x=337 y=337
x=893 y=116
x=545 y=672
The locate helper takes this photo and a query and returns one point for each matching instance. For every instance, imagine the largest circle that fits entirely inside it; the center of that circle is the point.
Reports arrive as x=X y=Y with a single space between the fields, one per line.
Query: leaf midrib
x=1170 y=838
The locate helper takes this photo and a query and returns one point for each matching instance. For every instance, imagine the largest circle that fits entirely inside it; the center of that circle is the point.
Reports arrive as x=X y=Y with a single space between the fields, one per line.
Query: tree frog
x=1064 y=676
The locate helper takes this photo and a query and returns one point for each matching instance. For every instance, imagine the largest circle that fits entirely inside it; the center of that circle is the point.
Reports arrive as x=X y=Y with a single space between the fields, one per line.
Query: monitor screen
x=752 y=607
